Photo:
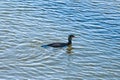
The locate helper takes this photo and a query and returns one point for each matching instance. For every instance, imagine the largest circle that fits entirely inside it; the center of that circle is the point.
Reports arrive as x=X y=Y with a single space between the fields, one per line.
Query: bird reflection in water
x=69 y=49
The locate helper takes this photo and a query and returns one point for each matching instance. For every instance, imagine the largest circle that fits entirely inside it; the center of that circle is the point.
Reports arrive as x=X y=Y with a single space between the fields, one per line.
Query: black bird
x=61 y=44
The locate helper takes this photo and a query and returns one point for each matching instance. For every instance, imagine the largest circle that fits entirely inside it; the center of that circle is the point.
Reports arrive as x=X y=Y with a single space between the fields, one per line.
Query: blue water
x=26 y=25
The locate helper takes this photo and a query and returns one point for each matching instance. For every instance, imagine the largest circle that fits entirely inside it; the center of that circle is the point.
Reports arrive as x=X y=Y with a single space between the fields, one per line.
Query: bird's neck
x=69 y=41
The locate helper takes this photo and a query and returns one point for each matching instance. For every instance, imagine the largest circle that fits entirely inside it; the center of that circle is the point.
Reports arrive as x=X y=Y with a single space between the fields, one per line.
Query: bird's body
x=57 y=44
x=61 y=44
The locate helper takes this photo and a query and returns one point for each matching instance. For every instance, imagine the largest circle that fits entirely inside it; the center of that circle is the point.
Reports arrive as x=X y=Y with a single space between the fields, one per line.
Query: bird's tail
x=44 y=46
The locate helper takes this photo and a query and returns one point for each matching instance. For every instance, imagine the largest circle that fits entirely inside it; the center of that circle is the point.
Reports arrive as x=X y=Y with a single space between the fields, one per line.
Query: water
x=25 y=25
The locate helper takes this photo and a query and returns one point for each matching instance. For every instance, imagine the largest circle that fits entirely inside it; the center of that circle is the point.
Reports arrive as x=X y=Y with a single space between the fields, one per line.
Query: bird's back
x=57 y=44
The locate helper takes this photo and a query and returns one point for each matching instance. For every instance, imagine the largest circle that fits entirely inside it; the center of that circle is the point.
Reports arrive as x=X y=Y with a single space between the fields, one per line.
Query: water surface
x=25 y=25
